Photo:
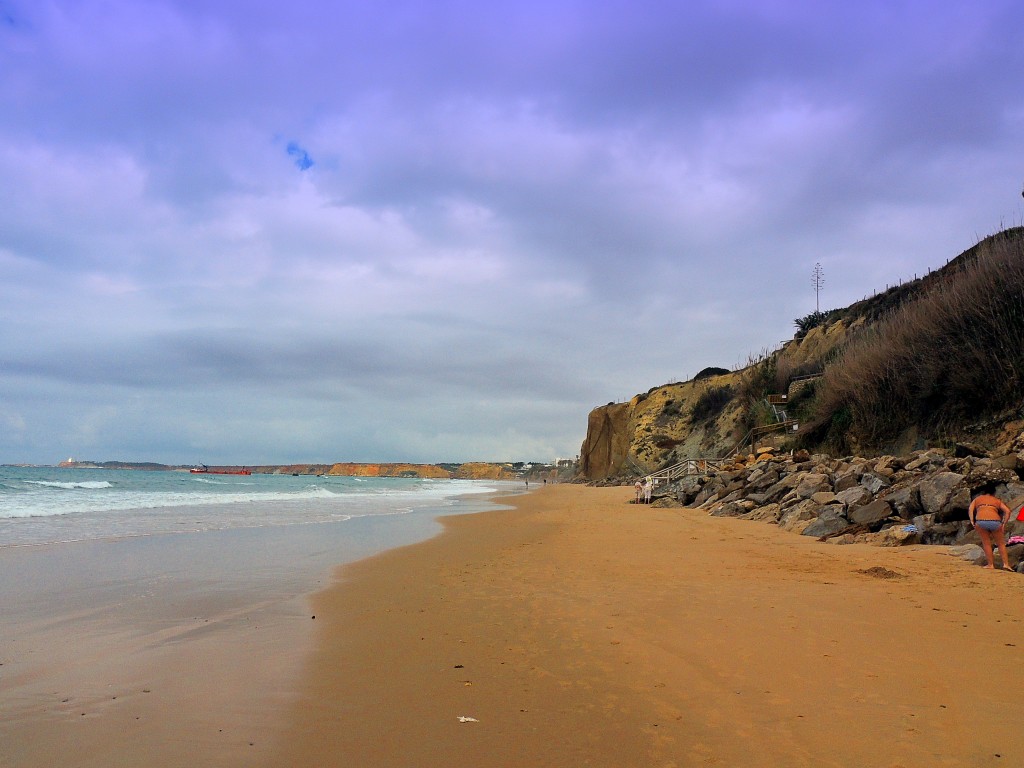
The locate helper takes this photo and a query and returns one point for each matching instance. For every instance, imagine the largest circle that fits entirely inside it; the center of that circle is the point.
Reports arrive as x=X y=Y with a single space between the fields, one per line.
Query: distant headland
x=476 y=470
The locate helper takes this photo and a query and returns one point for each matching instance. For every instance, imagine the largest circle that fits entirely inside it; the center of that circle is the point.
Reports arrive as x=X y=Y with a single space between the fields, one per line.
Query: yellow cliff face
x=389 y=470
x=643 y=434
x=698 y=418
x=483 y=471
x=468 y=471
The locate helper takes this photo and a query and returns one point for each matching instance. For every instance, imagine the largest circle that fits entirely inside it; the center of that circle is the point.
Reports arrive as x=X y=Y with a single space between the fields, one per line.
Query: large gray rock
x=857 y=496
x=710 y=489
x=813 y=483
x=730 y=509
x=938 y=491
x=896 y=536
x=887 y=465
x=846 y=479
x=828 y=522
x=792 y=517
x=870 y=514
x=924 y=523
x=769 y=512
x=688 y=488
x=1008 y=461
x=762 y=479
x=906 y=501
x=708 y=500
x=965 y=449
x=776 y=492
x=926 y=459
x=874 y=483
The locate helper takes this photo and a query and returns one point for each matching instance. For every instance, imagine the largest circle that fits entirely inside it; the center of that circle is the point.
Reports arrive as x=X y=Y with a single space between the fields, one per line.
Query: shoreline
x=579 y=629
x=174 y=649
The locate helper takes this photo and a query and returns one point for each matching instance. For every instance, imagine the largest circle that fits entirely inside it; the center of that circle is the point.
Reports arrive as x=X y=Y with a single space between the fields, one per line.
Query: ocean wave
x=90 y=484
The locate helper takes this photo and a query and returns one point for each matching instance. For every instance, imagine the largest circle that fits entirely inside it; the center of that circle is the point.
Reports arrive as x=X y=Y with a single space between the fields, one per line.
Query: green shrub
x=711 y=402
x=707 y=373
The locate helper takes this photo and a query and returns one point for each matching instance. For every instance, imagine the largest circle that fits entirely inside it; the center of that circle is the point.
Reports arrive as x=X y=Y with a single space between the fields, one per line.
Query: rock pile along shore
x=888 y=501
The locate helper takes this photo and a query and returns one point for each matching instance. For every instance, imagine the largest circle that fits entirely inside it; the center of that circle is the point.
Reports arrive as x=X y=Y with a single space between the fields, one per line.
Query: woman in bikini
x=989 y=516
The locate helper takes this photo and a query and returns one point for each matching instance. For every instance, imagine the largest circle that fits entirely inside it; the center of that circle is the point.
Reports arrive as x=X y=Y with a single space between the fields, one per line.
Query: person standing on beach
x=989 y=516
x=638 y=486
x=648 y=488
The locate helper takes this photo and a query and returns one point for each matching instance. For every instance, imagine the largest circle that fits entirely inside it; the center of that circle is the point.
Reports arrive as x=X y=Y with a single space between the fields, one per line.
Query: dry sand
x=581 y=630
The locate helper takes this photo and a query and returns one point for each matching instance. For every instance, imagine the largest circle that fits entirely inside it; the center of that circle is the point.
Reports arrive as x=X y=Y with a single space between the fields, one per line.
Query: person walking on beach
x=648 y=487
x=989 y=517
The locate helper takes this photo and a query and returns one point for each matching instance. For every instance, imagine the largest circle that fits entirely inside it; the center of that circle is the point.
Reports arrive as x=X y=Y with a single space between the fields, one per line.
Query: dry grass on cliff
x=951 y=357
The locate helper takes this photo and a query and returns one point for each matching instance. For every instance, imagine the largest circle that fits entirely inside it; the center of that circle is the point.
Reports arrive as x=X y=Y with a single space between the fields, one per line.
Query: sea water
x=110 y=577
x=50 y=505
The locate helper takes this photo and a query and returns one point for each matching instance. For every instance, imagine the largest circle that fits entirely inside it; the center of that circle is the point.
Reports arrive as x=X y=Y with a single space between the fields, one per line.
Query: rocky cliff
x=467 y=471
x=846 y=354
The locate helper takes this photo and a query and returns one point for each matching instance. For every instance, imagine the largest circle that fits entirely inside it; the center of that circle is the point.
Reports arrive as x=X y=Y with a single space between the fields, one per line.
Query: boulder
x=813 y=483
x=730 y=509
x=828 y=522
x=887 y=465
x=769 y=512
x=989 y=474
x=734 y=495
x=857 y=496
x=871 y=513
x=937 y=492
x=761 y=480
x=931 y=458
x=896 y=536
x=710 y=489
x=777 y=491
x=874 y=483
x=1007 y=461
x=924 y=523
x=964 y=449
x=951 y=532
x=849 y=478
x=667 y=501
x=905 y=501
x=806 y=510
x=823 y=497
x=755 y=474
x=705 y=501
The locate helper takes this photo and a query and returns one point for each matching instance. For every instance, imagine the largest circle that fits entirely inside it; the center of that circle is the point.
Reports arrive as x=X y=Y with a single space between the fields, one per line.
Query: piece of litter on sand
x=465 y=719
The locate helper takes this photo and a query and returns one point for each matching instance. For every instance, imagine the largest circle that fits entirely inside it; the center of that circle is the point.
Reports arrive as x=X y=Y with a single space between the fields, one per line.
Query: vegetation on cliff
x=923 y=363
x=937 y=364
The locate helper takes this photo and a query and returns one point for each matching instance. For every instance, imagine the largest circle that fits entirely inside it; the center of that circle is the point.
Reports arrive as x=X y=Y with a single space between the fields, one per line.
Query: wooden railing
x=700 y=466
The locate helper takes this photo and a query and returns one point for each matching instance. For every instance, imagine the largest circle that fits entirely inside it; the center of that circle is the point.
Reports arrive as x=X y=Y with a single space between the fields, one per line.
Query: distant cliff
x=459 y=471
x=926 y=362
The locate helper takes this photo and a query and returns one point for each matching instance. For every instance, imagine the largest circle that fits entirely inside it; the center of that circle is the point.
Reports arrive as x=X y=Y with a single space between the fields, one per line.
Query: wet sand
x=170 y=650
x=579 y=629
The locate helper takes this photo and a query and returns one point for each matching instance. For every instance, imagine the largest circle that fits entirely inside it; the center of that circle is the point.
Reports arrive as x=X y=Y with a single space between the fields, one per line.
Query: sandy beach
x=573 y=629
x=579 y=629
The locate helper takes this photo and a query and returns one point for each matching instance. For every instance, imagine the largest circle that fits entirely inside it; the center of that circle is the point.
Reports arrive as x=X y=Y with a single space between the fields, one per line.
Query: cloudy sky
x=442 y=230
